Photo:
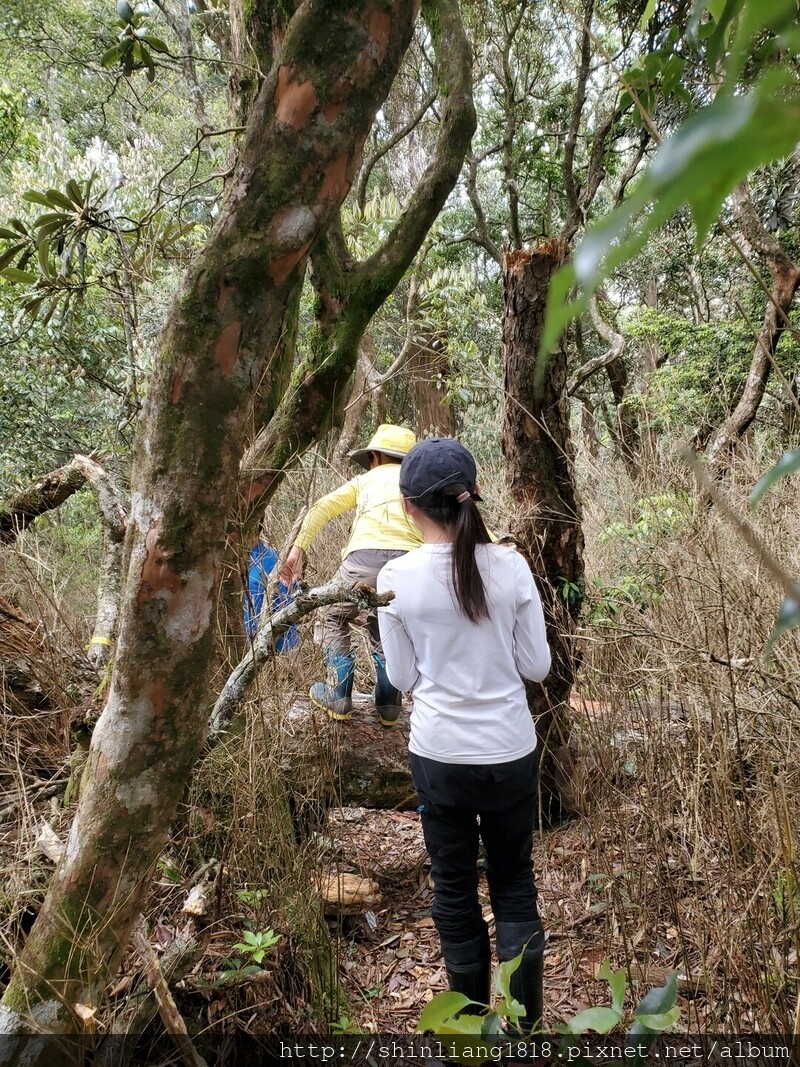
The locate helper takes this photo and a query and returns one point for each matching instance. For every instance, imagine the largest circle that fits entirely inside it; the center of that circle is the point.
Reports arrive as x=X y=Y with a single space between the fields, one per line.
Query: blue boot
x=336 y=696
x=388 y=700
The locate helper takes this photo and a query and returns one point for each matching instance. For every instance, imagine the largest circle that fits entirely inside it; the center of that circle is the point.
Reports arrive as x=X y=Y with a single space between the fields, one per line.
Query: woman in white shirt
x=465 y=627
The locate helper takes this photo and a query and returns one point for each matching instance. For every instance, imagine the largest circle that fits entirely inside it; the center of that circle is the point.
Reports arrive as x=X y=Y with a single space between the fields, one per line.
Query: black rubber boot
x=388 y=700
x=468 y=967
x=336 y=695
x=527 y=981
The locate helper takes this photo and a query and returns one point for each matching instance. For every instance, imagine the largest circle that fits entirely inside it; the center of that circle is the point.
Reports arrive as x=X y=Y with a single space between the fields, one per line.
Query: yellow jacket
x=379 y=522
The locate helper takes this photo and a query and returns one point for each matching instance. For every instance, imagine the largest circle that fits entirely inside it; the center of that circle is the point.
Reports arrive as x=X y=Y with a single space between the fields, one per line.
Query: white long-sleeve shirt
x=469 y=702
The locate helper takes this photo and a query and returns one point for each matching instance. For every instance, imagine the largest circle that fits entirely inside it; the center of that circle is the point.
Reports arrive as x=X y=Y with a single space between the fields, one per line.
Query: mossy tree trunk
x=349 y=293
x=547 y=515
x=295 y=164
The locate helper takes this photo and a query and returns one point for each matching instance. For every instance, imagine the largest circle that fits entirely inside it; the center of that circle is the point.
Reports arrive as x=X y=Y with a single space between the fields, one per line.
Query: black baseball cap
x=436 y=465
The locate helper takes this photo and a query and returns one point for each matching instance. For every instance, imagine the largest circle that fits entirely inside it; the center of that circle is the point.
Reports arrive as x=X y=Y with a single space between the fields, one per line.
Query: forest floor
x=392 y=966
x=597 y=878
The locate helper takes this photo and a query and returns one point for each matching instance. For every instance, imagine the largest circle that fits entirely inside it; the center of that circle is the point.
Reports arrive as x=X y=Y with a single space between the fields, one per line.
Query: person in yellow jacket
x=380 y=533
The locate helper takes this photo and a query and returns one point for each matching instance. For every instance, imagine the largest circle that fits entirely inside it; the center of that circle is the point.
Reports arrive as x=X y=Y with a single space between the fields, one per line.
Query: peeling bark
x=187 y=459
x=547 y=514
x=349 y=294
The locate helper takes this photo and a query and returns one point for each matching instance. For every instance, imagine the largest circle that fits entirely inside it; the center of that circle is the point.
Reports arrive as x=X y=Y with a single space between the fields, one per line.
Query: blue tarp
x=262 y=563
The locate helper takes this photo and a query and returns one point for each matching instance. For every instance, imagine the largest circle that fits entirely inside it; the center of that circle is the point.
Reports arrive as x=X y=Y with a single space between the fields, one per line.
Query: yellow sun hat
x=394 y=441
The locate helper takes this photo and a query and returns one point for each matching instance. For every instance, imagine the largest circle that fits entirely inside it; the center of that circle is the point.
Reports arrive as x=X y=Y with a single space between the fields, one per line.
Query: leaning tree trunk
x=296 y=162
x=547 y=514
x=784 y=282
x=348 y=294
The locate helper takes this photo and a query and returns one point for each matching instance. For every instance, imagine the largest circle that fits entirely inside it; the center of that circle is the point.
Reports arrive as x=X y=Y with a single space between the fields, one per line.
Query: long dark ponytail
x=466 y=522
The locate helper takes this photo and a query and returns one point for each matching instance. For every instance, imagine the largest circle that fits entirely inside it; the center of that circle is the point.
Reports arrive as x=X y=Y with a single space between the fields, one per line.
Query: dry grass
x=692 y=741
x=687 y=859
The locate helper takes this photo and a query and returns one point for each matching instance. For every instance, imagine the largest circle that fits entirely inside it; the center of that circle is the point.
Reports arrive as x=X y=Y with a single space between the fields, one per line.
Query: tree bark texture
x=297 y=158
x=429 y=370
x=547 y=514
x=348 y=294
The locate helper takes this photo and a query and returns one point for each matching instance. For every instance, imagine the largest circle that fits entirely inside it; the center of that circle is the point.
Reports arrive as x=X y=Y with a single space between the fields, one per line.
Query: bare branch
x=615 y=340
x=263 y=646
x=380 y=152
x=483 y=237
x=113 y=512
x=182 y=29
x=574 y=217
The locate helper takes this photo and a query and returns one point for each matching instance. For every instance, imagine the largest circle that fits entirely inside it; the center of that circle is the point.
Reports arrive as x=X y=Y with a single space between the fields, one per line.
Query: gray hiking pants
x=361 y=566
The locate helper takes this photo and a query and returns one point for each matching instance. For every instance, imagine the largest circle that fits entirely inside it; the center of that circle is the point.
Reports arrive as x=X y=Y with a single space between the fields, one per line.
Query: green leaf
x=125 y=11
x=647 y=14
x=9 y=255
x=57 y=197
x=616 y=980
x=599 y=1019
x=788 y=618
x=8 y=235
x=34 y=197
x=46 y=266
x=74 y=192
x=661 y=1020
x=501 y=978
x=47 y=229
x=156 y=43
x=786 y=465
x=110 y=57
x=147 y=59
x=18 y=277
x=442 y=1006
x=53 y=216
x=654 y=1002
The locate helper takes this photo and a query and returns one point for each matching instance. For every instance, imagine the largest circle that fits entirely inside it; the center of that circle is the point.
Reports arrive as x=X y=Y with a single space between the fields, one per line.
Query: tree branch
x=319 y=384
x=113 y=513
x=483 y=237
x=44 y=495
x=182 y=29
x=380 y=152
x=617 y=346
x=574 y=213
x=262 y=648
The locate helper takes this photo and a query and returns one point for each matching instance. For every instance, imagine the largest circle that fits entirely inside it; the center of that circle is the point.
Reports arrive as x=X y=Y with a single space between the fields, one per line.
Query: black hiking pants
x=461 y=804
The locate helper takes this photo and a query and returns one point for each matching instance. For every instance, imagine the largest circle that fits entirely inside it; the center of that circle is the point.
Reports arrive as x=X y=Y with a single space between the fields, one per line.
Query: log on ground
x=357 y=763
